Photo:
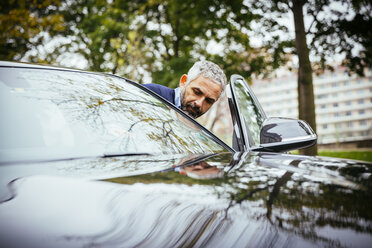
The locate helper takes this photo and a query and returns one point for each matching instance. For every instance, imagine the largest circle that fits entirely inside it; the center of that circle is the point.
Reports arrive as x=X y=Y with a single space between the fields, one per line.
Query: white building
x=343 y=104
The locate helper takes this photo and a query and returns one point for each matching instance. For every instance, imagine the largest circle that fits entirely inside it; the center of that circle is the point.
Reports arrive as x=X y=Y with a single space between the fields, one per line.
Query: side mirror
x=284 y=134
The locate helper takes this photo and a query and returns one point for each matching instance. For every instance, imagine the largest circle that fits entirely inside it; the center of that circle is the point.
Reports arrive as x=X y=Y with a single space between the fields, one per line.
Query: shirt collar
x=177 y=97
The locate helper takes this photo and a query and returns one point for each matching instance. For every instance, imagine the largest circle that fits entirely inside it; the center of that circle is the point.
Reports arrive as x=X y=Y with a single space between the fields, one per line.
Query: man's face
x=199 y=95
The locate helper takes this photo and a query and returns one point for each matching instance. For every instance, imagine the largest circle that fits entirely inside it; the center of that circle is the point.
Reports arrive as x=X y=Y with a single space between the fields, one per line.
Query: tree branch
x=315 y=15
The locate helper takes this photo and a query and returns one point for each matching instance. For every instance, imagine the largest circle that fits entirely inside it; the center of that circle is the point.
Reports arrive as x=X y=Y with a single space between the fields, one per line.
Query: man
x=197 y=91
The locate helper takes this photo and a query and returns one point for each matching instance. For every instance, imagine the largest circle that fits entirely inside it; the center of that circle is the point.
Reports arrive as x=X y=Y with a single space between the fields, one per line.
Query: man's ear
x=183 y=80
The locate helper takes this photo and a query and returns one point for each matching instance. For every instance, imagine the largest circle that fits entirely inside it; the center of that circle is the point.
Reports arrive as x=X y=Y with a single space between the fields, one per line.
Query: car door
x=247 y=114
x=253 y=131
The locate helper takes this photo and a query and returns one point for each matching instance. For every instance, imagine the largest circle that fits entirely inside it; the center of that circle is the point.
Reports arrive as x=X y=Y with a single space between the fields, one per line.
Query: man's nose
x=199 y=102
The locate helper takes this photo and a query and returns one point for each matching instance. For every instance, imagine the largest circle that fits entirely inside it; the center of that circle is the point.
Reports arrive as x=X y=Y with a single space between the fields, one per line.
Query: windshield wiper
x=109 y=155
x=57 y=157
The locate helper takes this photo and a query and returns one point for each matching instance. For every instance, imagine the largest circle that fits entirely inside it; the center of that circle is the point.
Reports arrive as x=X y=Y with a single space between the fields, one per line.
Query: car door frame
x=242 y=137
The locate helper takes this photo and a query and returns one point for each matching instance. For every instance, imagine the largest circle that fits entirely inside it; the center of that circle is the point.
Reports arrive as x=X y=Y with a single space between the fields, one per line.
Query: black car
x=95 y=160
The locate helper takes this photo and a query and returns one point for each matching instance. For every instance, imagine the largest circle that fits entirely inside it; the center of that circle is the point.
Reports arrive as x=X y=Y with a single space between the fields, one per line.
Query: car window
x=250 y=112
x=51 y=110
x=218 y=120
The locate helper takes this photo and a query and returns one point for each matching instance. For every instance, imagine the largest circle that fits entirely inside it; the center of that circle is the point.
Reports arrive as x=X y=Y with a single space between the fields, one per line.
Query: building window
x=348 y=103
x=335 y=105
x=336 y=114
x=362 y=111
x=338 y=125
x=349 y=134
x=349 y=124
x=362 y=122
x=361 y=101
x=323 y=106
x=348 y=113
x=325 y=126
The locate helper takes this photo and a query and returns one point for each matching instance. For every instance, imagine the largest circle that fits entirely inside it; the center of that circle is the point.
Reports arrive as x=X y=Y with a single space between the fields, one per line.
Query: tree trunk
x=306 y=105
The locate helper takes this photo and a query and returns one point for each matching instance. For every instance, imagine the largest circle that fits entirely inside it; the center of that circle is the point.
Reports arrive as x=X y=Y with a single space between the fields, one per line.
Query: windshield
x=46 y=112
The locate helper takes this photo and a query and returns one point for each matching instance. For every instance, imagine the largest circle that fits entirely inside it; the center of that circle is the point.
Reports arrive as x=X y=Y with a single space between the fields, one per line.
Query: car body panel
x=260 y=200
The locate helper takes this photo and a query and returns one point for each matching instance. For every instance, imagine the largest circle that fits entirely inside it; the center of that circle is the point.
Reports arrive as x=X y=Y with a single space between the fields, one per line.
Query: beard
x=189 y=107
x=191 y=110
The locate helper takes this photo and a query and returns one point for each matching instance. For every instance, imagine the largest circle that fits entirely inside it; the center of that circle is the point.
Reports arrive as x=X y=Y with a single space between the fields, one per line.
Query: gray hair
x=209 y=70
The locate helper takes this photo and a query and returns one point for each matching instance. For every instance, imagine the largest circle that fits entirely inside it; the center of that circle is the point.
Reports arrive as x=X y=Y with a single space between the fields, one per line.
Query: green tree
x=185 y=28
x=345 y=30
x=157 y=37
x=108 y=35
x=160 y=38
x=24 y=25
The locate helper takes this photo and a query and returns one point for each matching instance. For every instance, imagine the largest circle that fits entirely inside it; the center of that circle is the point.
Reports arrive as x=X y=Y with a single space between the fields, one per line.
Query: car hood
x=249 y=199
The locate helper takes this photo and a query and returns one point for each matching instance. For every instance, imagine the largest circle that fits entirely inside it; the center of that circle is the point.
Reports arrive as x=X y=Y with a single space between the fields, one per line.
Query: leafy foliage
x=23 y=25
x=336 y=29
x=157 y=38
x=345 y=30
x=162 y=39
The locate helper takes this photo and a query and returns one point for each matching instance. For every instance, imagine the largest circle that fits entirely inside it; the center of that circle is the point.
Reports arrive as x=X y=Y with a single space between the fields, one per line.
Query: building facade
x=343 y=104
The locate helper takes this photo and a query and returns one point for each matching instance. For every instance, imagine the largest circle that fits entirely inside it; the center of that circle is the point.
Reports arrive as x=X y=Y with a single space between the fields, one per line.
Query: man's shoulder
x=162 y=90
x=157 y=87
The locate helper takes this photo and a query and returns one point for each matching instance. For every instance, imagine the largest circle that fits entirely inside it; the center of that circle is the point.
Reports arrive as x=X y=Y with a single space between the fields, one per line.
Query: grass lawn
x=364 y=155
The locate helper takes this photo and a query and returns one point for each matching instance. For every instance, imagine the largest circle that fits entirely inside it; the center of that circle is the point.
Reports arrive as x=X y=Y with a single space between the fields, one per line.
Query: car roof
x=36 y=66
